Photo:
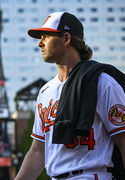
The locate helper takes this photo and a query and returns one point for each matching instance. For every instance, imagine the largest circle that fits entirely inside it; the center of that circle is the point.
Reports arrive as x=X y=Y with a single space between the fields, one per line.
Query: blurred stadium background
x=22 y=71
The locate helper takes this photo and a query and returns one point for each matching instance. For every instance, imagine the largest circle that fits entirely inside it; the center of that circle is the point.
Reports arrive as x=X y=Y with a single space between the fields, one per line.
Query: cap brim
x=36 y=33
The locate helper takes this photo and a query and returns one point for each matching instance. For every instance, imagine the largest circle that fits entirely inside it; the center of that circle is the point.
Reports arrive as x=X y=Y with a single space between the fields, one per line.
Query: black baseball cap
x=59 y=22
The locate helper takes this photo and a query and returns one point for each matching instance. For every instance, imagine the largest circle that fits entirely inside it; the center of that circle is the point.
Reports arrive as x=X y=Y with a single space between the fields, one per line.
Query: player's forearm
x=31 y=167
x=119 y=139
x=33 y=162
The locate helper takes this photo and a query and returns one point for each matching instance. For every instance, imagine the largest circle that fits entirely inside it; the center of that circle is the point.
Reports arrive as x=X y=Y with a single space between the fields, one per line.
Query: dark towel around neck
x=77 y=105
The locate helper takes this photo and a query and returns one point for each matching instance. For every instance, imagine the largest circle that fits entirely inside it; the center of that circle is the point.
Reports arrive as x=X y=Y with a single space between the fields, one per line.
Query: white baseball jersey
x=85 y=153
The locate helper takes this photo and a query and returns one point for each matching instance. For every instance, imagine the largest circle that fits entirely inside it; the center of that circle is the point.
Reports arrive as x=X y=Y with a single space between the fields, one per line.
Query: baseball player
x=87 y=158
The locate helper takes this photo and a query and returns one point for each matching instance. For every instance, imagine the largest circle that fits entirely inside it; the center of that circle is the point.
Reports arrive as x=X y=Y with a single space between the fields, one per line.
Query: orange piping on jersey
x=116 y=130
x=43 y=138
x=96 y=176
x=48 y=110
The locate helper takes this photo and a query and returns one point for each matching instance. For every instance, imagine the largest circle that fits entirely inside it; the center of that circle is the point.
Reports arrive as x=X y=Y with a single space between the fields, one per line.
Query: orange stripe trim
x=49 y=29
x=96 y=176
x=43 y=138
x=30 y=31
x=116 y=130
x=44 y=29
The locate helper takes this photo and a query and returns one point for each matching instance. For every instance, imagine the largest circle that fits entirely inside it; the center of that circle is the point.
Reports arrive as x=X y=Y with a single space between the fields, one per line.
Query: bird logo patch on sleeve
x=117 y=114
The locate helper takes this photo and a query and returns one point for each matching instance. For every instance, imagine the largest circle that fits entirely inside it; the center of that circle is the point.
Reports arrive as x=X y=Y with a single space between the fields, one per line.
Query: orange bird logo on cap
x=46 y=19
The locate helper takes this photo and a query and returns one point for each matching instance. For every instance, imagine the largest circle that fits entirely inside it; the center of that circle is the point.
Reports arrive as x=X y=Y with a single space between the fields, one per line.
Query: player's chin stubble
x=49 y=59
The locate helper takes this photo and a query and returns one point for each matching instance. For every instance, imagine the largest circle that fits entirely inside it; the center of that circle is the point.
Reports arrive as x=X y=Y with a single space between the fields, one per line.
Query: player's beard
x=52 y=57
x=47 y=57
x=53 y=50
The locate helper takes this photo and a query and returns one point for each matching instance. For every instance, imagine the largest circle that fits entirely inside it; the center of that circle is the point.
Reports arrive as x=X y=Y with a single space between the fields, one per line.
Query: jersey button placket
x=58 y=91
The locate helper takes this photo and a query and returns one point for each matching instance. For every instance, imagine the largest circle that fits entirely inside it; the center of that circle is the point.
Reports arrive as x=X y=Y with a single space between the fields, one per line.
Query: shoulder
x=48 y=85
x=105 y=82
x=106 y=79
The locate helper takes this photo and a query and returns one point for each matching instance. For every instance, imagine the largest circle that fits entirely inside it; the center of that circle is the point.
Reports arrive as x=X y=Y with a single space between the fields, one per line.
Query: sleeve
x=111 y=109
x=37 y=132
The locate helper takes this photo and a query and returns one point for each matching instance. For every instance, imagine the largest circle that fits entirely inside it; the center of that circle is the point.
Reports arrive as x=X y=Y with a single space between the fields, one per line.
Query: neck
x=67 y=62
x=64 y=70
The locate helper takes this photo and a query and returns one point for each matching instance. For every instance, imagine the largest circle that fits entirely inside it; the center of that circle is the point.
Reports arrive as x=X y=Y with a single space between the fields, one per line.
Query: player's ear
x=67 y=37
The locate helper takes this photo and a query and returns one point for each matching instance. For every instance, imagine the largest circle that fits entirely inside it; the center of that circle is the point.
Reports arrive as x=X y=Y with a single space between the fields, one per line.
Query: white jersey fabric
x=94 y=152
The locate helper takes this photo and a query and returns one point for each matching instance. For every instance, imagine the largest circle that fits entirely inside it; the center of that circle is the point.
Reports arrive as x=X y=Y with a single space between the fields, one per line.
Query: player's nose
x=41 y=44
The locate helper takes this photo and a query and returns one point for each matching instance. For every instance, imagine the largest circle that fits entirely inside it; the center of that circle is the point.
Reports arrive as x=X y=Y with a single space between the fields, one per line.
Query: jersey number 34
x=89 y=141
